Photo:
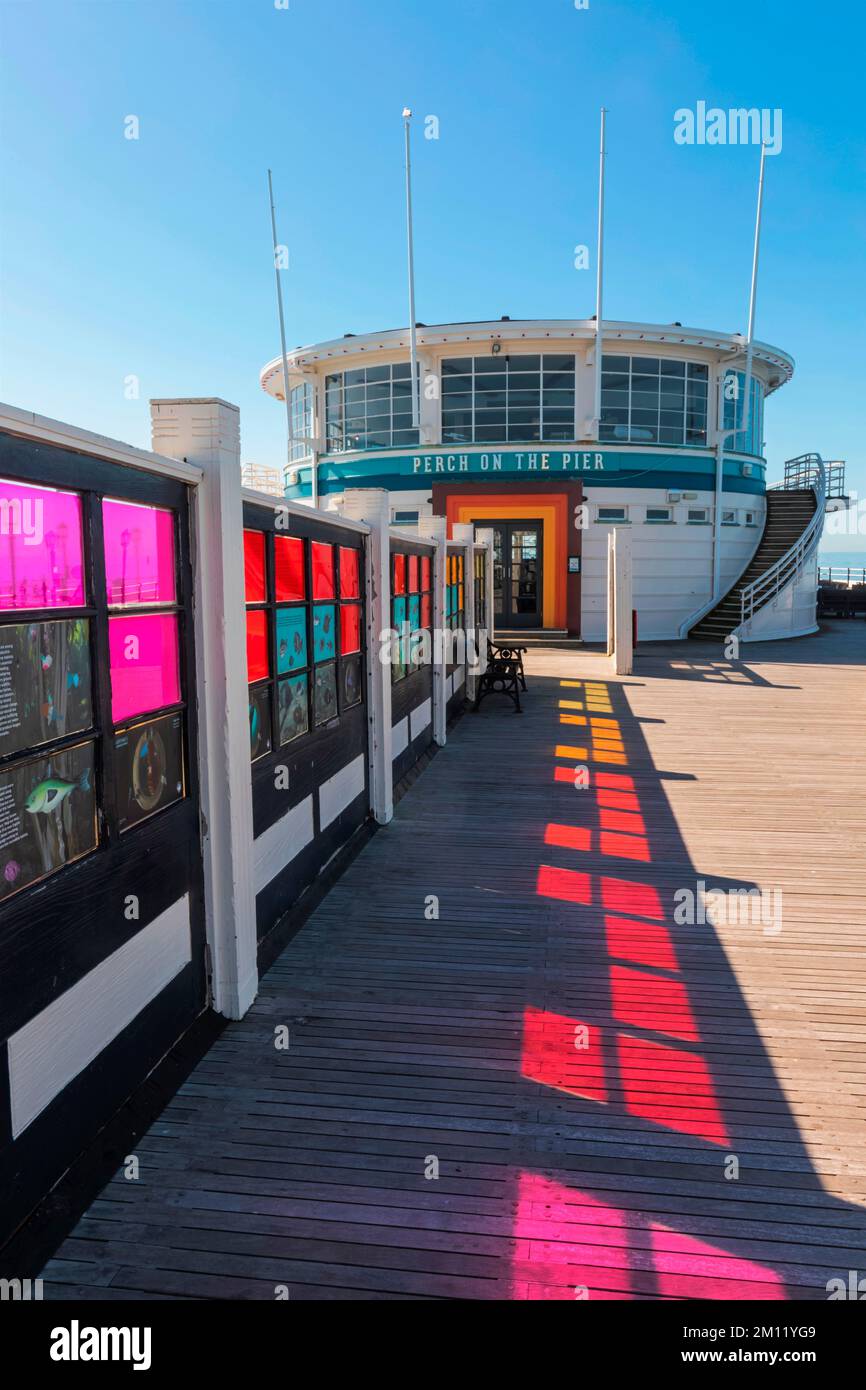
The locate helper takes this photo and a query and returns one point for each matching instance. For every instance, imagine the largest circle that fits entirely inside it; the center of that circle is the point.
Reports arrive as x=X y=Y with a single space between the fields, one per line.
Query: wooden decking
x=617 y=1102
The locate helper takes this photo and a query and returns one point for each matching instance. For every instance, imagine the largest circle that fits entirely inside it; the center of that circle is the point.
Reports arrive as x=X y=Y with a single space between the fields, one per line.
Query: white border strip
x=55 y=1046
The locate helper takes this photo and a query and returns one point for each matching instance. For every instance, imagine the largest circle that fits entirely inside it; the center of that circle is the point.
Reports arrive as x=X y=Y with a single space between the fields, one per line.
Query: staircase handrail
x=802 y=473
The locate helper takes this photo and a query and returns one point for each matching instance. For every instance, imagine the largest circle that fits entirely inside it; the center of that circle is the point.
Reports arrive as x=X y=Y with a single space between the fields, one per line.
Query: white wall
x=672 y=562
x=792 y=613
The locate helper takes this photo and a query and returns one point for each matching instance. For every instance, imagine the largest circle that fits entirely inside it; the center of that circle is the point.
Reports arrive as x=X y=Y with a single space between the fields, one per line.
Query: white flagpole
x=747 y=406
x=286 y=387
x=413 y=336
x=599 y=283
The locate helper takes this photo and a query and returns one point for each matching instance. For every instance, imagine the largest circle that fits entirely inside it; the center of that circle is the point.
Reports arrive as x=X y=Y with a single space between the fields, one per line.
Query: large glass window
x=734 y=412
x=302 y=421
x=653 y=400
x=508 y=399
x=84 y=754
x=369 y=408
x=304 y=636
x=411 y=610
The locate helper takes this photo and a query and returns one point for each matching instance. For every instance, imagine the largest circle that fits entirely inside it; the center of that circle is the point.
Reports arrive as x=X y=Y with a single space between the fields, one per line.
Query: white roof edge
x=58 y=432
x=435 y=335
x=267 y=499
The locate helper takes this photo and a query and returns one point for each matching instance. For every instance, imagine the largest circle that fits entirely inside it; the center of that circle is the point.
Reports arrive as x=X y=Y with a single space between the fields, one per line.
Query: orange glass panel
x=289 y=568
x=254 y=566
x=257 y=645
x=350 y=628
x=350 y=572
x=413 y=574
x=323 y=570
x=399 y=574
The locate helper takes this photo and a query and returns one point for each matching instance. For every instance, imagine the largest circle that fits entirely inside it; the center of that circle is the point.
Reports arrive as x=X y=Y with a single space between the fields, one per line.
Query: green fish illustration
x=50 y=794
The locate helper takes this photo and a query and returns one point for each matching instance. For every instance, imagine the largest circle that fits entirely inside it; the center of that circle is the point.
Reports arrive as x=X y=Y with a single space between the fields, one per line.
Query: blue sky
x=151 y=257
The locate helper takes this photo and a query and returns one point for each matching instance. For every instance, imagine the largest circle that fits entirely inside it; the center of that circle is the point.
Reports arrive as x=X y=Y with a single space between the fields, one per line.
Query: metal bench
x=504 y=675
x=508 y=652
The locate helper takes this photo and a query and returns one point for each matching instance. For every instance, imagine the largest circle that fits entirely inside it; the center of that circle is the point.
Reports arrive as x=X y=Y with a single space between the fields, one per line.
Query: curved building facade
x=507 y=439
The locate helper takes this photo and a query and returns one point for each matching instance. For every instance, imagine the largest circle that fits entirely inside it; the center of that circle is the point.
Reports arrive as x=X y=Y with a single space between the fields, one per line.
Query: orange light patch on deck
x=565 y=750
x=628 y=822
x=564 y=1053
x=565 y=885
x=624 y=847
x=599 y=723
x=641 y=943
x=620 y=801
x=569 y=837
x=615 y=781
x=566 y=774
x=603 y=755
x=571 y=685
x=652 y=1002
x=571 y=704
x=572 y=719
x=635 y=899
x=607 y=745
x=670 y=1087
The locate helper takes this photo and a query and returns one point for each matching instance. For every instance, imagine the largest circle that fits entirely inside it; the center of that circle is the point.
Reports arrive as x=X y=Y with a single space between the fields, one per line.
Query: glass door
x=517 y=573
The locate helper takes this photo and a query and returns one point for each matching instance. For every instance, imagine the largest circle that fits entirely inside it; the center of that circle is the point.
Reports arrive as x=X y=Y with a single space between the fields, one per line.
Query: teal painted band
x=625 y=470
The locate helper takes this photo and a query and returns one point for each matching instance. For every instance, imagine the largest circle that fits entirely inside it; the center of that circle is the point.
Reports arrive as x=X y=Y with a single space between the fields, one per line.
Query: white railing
x=801 y=474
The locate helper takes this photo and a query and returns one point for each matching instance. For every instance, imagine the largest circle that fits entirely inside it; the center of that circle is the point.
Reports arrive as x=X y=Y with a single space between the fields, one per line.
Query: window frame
x=98 y=480
x=254 y=520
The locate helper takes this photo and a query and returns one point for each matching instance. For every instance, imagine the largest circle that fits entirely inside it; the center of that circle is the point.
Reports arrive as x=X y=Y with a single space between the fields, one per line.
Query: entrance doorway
x=517 y=573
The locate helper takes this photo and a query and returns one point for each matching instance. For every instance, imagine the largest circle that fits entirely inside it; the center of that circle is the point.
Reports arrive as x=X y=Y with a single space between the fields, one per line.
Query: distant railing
x=801 y=474
x=842 y=574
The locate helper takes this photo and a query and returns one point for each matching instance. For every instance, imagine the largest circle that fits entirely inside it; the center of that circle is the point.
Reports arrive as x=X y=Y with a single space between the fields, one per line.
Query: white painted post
x=484 y=536
x=206 y=432
x=620 y=585
x=372 y=505
x=464 y=533
x=435 y=528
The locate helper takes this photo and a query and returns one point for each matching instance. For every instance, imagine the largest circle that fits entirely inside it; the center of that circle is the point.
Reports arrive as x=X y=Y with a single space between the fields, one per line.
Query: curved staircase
x=793 y=526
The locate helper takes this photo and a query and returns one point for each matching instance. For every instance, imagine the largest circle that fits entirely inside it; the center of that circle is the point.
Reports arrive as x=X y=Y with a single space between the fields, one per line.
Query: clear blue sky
x=152 y=257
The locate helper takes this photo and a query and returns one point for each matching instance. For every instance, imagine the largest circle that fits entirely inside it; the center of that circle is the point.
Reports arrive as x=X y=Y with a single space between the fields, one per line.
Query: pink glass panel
x=143 y=650
x=139 y=553
x=41 y=553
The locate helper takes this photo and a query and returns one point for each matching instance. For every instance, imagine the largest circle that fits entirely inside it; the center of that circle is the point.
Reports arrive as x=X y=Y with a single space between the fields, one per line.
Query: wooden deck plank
x=412 y=1038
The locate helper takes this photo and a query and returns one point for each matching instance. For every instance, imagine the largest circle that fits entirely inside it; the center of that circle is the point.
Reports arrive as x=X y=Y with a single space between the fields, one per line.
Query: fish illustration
x=49 y=794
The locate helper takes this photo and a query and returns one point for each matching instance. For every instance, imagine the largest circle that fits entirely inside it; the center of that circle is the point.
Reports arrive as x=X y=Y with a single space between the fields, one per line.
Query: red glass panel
x=350 y=628
x=289 y=569
x=139 y=553
x=257 y=645
x=254 y=566
x=426 y=611
x=413 y=574
x=399 y=574
x=143 y=662
x=41 y=562
x=350 y=573
x=323 y=570
x=425 y=571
